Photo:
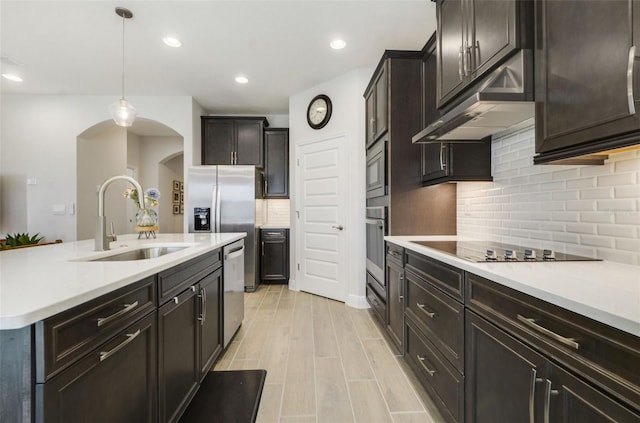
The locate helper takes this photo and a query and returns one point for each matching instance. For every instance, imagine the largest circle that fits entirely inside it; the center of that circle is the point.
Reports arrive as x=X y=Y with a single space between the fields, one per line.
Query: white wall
x=38 y=140
x=104 y=155
x=169 y=171
x=347 y=118
x=585 y=210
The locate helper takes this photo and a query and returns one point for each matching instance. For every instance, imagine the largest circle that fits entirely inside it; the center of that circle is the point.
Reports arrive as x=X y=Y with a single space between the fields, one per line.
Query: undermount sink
x=140 y=254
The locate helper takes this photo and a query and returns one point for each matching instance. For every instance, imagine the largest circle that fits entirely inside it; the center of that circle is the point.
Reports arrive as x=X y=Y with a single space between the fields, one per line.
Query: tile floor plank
x=368 y=403
x=269 y=409
x=334 y=405
x=324 y=337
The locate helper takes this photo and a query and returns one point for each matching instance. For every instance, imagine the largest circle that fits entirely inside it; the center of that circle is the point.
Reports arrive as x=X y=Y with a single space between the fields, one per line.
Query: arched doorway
x=105 y=150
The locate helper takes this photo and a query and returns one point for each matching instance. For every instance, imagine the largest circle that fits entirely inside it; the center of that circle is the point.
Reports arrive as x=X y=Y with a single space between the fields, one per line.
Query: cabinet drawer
x=438 y=316
x=173 y=281
x=447 y=278
x=273 y=233
x=442 y=381
x=377 y=303
x=395 y=252
x=603 y=355
x=116 y=382
x=67 y=336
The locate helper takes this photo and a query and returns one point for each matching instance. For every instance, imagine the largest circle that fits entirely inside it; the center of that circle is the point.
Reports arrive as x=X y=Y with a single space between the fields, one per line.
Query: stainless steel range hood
x=501 y=100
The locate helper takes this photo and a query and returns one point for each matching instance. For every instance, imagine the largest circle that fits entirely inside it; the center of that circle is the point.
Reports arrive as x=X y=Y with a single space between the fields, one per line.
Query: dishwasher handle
x=234 y=253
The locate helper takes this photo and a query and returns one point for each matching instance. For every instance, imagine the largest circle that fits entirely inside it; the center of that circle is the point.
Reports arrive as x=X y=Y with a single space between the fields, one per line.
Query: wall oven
x=376 y=230
x=377 y=169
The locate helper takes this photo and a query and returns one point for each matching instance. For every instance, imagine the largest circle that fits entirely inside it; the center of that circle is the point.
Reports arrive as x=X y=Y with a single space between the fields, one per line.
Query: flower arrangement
x=151 y=196
x=146 y=217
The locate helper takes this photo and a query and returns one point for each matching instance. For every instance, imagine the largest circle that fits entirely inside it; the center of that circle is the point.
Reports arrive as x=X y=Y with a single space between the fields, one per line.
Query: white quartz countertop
x=39 y=282
x=605 y=291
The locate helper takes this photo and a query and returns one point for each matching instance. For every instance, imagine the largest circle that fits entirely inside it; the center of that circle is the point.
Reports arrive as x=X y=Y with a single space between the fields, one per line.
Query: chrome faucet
x=102 y=240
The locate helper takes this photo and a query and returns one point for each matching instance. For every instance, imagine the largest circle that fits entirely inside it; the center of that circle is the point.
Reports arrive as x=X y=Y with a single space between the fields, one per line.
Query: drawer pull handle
x=421 y=360
x=428 y=313
x=127 y=308
x=570 y=342
x=130 y=337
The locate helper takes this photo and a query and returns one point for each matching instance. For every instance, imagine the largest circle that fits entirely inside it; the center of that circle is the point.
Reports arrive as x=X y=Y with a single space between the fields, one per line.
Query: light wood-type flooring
x=325 y=362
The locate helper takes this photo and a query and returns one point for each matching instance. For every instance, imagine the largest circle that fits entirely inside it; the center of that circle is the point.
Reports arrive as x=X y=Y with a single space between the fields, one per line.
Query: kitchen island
x=77 y=330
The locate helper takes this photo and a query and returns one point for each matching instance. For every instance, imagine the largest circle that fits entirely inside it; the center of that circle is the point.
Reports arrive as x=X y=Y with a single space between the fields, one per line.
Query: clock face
x=319 y=111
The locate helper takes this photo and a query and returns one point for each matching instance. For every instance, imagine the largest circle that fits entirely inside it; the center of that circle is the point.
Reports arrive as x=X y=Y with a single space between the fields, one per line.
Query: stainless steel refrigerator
x=223 y=199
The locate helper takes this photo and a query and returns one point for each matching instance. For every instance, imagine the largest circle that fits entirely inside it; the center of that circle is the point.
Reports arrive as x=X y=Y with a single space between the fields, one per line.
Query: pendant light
x=122 y=111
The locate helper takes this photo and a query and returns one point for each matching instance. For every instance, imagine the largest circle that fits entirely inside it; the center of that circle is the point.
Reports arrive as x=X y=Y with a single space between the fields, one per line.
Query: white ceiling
x=74 y=47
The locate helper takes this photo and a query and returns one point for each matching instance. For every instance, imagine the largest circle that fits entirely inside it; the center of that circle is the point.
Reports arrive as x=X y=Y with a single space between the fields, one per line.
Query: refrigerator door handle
x=218 y=217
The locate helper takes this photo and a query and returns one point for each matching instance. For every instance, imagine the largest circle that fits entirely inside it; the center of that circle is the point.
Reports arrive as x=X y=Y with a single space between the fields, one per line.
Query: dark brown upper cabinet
x=276 y=163
x=233 y=140
x=376 y=98
x=587 y=79
x=475 y=37
x=447 y=162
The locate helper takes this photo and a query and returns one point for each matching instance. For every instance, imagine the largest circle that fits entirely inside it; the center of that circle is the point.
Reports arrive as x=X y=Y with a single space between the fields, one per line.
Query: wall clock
x=319 y=111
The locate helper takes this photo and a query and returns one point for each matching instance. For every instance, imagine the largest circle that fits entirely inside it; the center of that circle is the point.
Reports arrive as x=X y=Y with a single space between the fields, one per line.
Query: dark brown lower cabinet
x=210 y=320
x=114 y=383
x=395 y=300
x=506 y=381
x=178 y=361
x=274 y=263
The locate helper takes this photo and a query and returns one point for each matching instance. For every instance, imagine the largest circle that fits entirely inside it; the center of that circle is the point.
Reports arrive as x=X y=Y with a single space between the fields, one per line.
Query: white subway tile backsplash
x=621 y=205
x=585 y=210
x=596 y=217
x=618 y=231
x=627 y=191
x=581 y=228
x=628 y=244
x=581 y=205
x=616 y=179
x=597 y=241
x=581 y=183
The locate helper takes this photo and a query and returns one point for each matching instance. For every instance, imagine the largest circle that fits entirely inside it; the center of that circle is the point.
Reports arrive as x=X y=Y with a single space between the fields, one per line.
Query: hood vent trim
x=501 y=100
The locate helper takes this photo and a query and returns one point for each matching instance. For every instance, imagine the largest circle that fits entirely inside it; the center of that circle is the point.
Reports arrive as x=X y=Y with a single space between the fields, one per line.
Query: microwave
x=376 y=178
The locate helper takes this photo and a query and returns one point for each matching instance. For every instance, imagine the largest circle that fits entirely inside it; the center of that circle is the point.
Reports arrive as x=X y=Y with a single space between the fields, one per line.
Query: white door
x=321 y=200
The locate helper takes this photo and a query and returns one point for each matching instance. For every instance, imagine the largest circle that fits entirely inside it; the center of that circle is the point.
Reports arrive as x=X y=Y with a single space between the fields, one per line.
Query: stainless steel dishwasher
x=233 y=299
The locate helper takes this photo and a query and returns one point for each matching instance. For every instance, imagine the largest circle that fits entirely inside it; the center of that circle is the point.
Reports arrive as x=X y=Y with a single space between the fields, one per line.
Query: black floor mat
x=229 y=396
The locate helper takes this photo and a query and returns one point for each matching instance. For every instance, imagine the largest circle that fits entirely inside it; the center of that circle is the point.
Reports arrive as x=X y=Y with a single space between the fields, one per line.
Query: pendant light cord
x=123 y=19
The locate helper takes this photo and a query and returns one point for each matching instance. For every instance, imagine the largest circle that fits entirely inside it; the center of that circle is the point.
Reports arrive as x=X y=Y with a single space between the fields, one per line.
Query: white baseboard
x=293 y=286
x=357 y=301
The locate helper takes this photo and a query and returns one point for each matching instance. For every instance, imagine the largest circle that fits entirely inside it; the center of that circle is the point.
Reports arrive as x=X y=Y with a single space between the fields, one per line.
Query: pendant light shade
x=122 y=111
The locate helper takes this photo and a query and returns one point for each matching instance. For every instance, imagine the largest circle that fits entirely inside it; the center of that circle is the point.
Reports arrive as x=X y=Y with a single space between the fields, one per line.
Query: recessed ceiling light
x=338 y=44
x=172 y=42
x=242 y=79
x=12 y=77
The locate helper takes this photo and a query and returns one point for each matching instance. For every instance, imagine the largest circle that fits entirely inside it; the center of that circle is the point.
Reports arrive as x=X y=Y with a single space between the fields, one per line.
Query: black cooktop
x=489 y=251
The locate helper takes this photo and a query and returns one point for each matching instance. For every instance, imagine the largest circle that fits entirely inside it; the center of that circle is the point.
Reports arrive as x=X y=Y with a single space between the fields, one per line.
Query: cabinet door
x=450 y=49
x=249 y=143
x=210 y=320
x=276 y=163
x=382 y=99
x=585 y=75
x=274 y=258
x=395 y=301
x=434 y=161
x=92 y=389
x=370 y=101
x=573 y=401
x=217 y=142
x=178 y=364
x=493 y=36
x=503 y=377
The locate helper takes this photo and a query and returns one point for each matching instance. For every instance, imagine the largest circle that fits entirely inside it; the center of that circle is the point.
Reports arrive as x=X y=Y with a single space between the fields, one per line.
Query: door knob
x=339 y=227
